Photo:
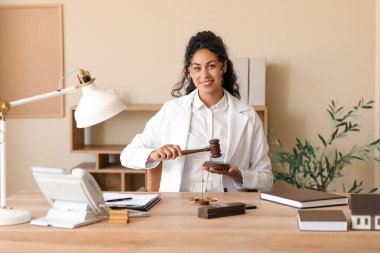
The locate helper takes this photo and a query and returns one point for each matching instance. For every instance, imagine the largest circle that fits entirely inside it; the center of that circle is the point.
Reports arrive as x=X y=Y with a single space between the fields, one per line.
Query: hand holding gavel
x=167 y=152
x=170 y=152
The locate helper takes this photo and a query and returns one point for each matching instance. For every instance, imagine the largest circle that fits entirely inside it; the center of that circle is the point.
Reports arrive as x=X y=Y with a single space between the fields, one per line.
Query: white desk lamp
x=94 y=107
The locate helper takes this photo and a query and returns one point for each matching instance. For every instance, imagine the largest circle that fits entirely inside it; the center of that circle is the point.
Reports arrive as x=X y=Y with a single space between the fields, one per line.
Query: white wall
x=316 y=50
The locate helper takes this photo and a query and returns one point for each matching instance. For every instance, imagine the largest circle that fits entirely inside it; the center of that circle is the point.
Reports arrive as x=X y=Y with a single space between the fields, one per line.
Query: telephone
x=76 y=198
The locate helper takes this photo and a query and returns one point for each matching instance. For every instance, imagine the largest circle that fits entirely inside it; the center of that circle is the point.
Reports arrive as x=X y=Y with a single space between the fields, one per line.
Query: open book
x=304 y=198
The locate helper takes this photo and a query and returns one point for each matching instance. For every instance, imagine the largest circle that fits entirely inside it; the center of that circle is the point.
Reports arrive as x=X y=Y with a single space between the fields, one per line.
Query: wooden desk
x=175 y=227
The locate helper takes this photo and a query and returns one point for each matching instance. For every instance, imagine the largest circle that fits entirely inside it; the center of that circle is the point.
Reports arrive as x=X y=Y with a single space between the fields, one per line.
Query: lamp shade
x=96 y=105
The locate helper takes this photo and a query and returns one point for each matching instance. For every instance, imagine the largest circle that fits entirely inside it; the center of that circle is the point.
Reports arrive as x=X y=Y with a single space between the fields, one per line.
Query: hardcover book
x=322 y=220
x=304 y=198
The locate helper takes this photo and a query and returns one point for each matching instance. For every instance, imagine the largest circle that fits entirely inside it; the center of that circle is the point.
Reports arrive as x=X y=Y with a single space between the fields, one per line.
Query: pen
x=116 y=200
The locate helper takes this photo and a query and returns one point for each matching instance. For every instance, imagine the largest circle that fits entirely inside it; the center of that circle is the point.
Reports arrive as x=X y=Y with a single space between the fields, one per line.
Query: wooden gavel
x=214 y=148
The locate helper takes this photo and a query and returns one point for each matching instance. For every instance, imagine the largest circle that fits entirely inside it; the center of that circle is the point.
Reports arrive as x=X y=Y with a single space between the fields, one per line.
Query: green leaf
x=331 y=114
x=322 y=140
x=333 y=135
x=356 y=157
x=356 y=188
x=375 y=142
x=341 y=124
x=339 y=109
x=373 y=190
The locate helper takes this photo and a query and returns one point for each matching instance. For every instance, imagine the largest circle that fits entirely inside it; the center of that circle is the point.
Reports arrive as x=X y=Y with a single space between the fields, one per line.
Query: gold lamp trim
x=84 y=78
x=4 y=108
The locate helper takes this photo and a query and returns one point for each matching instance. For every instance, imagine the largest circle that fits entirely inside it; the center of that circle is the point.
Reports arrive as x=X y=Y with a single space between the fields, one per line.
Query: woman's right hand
x=166 y=152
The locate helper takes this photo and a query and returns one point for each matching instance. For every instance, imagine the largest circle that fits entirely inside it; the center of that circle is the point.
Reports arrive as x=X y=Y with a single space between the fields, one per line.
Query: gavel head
x=215 y=148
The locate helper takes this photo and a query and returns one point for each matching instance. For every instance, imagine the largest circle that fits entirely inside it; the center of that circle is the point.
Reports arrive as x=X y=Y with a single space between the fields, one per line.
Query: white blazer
x=247 y=148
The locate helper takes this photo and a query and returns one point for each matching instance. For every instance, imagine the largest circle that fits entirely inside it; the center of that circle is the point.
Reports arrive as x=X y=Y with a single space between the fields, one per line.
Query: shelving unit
x=107 y=170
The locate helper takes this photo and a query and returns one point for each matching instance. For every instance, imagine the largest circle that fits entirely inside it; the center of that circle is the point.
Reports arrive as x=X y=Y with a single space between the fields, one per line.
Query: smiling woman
x=210 y=110
x=207 y=71
x=217 y=52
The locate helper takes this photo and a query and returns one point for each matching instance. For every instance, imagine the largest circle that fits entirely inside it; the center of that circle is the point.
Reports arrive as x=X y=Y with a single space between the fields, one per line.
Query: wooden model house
x=365 y=211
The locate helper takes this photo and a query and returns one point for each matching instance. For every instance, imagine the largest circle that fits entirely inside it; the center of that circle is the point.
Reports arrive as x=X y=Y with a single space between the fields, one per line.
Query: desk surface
x=175 y=227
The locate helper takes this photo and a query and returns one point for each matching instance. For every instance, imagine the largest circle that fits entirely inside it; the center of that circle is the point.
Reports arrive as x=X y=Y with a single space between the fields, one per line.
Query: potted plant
x=310 y=166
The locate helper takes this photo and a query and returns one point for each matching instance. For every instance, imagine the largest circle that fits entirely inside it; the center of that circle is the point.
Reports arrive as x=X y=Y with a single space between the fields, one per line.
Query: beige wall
x=377 y=89
x=317 y=50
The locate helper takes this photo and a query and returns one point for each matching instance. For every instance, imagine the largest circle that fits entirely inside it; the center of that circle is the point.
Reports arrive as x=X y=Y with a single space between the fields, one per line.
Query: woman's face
x=206 y=72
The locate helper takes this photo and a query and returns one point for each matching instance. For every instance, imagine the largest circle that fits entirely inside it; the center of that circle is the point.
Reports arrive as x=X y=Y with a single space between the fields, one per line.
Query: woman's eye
x=212 y=66
x=196 y=68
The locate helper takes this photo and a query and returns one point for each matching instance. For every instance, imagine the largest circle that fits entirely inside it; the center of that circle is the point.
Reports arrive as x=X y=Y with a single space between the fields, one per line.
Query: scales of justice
x=214 y=149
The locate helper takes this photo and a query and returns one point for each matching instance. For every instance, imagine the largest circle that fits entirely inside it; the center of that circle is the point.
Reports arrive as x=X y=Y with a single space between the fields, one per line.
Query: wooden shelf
x=106 y=149
x=107 y=170
x=143 y=107
x=115 y=168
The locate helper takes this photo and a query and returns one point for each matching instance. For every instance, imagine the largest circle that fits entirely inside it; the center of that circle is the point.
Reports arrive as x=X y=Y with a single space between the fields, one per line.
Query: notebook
x=304 y=198
x=322 y=220
x=140 y=202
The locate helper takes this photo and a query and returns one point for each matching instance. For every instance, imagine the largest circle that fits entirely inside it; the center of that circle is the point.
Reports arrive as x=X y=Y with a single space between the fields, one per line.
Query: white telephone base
x=61 y=223
x=67 y=214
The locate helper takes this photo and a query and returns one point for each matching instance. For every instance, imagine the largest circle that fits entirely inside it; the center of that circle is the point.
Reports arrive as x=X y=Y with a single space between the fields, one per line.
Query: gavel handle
x=191 y=151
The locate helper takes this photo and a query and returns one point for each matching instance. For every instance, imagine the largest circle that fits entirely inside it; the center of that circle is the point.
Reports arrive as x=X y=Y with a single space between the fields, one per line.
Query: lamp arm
x=9 y=216
x=3 y=132
x=43 y=96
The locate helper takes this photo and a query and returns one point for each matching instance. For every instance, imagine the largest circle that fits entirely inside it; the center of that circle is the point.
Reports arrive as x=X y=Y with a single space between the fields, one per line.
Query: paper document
x=137 y=199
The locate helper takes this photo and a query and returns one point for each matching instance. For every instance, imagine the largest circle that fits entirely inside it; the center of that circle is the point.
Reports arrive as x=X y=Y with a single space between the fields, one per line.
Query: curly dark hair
x=207 y=40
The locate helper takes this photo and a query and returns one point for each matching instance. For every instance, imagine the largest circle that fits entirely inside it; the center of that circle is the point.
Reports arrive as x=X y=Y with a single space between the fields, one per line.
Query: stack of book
x=312 y=220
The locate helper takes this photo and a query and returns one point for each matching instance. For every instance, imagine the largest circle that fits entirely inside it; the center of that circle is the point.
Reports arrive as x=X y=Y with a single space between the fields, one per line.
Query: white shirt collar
x=197 y=102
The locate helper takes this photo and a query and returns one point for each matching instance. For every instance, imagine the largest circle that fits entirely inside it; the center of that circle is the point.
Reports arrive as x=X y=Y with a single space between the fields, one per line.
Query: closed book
x=304 y=198
x=221 y=210
x=139 y=202
x=322 y=220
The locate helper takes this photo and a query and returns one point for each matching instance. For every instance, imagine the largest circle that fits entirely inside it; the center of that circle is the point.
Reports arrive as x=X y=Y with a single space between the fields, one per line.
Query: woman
x=209 y=110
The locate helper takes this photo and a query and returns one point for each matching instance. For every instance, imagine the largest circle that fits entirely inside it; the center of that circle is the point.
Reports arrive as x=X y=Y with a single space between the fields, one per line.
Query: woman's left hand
x=233 y=172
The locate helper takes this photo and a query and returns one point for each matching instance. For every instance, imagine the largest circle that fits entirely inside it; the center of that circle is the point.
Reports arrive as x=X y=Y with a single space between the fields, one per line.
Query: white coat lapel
x=236 y=124
x=183 y=119
x=182 y=128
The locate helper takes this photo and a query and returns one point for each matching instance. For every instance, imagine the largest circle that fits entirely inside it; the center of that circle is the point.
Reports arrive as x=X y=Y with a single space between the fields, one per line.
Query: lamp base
x=13 y=216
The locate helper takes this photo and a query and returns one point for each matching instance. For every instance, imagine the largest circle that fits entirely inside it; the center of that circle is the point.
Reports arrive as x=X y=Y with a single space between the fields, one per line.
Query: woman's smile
x=206 y=82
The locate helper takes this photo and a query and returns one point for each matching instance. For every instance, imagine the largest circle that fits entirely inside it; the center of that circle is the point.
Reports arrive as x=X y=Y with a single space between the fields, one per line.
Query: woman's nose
x=204 y=72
